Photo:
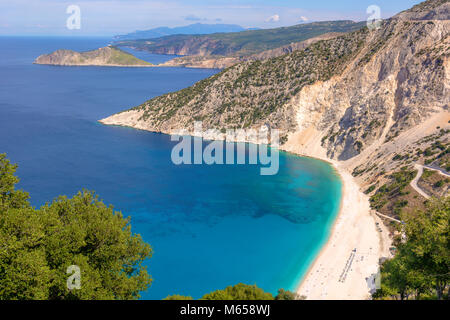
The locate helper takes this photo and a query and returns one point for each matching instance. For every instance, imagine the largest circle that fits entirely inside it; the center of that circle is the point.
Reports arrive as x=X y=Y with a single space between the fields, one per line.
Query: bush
x=439 y=184
x=38 y=246
x=239 y=292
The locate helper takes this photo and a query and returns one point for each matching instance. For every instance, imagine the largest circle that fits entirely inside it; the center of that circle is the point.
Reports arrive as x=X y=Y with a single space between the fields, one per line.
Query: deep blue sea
x=209 y=226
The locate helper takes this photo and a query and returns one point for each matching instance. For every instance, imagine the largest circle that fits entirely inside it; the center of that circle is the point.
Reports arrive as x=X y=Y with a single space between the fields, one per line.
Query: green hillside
x=240 y=43
x=121 y=57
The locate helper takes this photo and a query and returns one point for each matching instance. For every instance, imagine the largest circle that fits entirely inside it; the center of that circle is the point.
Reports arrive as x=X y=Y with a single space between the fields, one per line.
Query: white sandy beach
x=337 y=273
x=344 y=267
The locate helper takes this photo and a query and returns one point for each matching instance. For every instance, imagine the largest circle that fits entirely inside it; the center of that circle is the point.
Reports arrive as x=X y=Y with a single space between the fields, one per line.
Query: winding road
x=420 y=168
x=415 y=186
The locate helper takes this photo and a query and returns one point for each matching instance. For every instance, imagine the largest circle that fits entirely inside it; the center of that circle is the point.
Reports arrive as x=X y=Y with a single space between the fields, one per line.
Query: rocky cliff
x=107 y=56
x=356 y=98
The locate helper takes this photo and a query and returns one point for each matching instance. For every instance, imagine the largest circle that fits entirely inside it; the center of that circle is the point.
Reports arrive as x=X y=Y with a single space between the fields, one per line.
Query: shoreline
x=347 y=263
x=96 y=65
x=346 y=266
x=162 y=66
x=309 y=270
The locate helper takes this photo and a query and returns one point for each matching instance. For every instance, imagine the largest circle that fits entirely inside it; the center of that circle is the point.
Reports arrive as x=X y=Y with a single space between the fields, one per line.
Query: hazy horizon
x=100 y=17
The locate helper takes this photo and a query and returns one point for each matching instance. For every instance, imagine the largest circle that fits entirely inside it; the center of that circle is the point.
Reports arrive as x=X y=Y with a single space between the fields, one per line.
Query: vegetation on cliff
x=360 y=87
x=252 y=93
x=391 y=193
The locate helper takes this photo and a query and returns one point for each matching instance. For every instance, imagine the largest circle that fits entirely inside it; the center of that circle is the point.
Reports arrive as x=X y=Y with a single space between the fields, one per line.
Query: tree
x=243 y=292
x=38 y=246
x=394 y=275
x=239 y=292
x=288 y=295
x=9 y=197
x=428 y=242
x=422 y=261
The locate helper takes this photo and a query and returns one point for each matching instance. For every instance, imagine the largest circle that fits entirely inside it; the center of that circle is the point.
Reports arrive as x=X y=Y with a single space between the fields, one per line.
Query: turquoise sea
x=209 y=226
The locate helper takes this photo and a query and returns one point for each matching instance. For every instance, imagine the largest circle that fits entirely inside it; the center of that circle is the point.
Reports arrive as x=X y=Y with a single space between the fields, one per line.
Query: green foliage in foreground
x=239 y=292
x=421 y=267
x=242 y=292
x=37 y=247
x=288 y=295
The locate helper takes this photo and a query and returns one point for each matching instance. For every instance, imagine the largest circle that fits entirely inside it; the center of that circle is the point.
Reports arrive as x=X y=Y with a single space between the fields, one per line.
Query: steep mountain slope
x=107 y=56
x=196 y=28
x=251 y=93
x=356 y=98
x=239 y=43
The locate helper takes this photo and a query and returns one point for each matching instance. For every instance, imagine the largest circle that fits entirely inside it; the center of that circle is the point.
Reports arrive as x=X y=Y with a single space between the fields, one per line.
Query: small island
x=107 y=56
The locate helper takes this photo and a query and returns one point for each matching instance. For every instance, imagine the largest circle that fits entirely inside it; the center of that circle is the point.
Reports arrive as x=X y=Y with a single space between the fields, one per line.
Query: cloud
x=274 y=18
x=304 y=19
x=193 y=17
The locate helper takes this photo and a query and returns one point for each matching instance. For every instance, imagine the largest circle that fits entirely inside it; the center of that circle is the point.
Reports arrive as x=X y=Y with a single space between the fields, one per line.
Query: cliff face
x=350 y=98
x=385 y=103
x=108 y=56
x=398 y=80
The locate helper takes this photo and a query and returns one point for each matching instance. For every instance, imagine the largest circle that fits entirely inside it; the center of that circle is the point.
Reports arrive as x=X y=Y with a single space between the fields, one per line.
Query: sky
x=112 y=17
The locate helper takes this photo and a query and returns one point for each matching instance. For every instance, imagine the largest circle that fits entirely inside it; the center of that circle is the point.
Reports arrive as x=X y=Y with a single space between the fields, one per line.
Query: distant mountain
x=197 y=28
x=241 y=43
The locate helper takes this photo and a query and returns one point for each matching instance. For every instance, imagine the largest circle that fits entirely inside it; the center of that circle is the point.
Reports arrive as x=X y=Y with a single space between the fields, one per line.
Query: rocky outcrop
x=108 y=56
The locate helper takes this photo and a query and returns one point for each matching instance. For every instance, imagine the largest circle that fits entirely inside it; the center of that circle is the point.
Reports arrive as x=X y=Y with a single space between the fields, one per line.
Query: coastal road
x=420 y=168
x=441 y=171
x=413 y=183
